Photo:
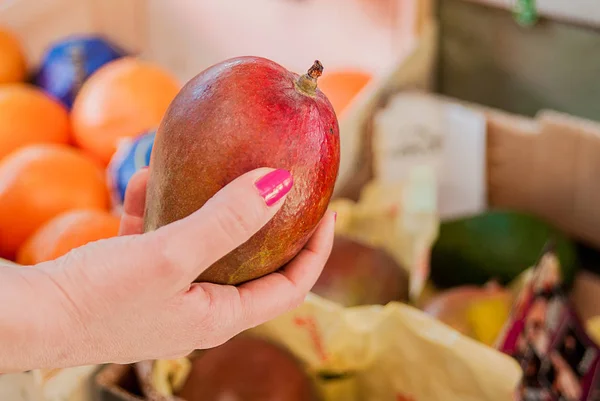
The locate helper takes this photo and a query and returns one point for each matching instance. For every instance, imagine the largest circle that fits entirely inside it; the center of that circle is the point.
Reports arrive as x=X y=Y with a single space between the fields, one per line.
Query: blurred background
x=470 y=152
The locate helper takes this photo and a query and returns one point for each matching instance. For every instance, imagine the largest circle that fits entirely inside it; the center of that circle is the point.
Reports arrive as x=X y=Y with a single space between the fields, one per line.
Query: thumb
x=226 y=221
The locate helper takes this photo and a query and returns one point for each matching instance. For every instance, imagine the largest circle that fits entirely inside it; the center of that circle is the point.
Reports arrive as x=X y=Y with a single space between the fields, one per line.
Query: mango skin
x=358 y=274
x=236 y=116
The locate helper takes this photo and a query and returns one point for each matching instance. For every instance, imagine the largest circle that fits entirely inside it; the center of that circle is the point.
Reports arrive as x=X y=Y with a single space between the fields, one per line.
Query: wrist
x=33 y=323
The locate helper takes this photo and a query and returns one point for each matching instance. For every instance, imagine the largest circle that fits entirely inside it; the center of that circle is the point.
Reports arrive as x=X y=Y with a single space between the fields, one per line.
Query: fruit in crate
x=65 y=232
x=13 y=67
x=342 y=86
x=495 y=245
x=132 y=155
x=28 y=116
x=68 y=63
x=39 y=182
x=358 y=274
x=236 y=116
x=247 y=368
x=123 y=99
x=477 y=312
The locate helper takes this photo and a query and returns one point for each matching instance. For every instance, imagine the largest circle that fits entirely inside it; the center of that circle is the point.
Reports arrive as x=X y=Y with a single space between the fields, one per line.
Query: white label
x=418 y=130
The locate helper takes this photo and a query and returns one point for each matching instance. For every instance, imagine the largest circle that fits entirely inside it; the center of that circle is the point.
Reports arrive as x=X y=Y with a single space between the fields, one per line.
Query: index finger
x=226 y=221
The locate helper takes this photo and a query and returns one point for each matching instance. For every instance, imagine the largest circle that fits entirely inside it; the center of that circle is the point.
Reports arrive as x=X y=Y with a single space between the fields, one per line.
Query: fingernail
x=334 y=216
x=274 y=186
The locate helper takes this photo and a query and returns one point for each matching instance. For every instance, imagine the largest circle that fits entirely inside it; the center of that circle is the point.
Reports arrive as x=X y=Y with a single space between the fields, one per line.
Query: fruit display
x=275 y=118
x=359 y=274
x=68 y=63
x=86 y=98
x=93 y=116
x=495 y=245
x=123 y=99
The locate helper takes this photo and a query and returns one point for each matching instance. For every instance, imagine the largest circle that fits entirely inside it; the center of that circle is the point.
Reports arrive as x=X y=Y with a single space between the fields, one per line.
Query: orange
x=13 y=66
x=29 y=116
x=342 y=86
x=124 y=98
x=39 y=182
x=65 y=232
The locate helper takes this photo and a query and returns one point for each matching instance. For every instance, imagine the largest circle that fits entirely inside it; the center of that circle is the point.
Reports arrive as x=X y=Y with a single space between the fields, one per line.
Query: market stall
x=465 y=264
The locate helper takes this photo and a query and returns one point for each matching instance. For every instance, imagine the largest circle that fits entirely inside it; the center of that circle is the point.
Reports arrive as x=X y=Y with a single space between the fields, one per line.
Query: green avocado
x=496 y=245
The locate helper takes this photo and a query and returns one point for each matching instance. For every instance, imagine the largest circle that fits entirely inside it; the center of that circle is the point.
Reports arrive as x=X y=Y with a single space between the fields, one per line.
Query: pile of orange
x=53 y=191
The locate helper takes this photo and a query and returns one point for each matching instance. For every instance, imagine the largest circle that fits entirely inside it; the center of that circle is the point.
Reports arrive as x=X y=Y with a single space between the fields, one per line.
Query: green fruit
x=496 y=245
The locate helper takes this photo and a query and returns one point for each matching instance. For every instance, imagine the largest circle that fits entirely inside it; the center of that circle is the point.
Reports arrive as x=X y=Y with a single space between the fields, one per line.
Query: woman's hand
x=130 y=298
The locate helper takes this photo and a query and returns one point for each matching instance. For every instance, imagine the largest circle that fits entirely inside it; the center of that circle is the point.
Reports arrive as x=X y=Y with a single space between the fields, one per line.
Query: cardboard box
x=544 y=164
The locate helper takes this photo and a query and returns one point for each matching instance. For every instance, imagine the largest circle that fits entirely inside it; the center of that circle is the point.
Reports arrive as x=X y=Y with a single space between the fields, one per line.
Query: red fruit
x=357 y=274
x=247 y=368
x=236 y=116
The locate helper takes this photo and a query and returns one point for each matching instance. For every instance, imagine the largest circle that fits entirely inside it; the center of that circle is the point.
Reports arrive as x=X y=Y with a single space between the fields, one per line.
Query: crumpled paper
x=393 y=352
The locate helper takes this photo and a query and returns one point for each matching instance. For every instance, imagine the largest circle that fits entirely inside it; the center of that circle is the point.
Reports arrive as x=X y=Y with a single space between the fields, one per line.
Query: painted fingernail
x=274 y=186
x=334 y=216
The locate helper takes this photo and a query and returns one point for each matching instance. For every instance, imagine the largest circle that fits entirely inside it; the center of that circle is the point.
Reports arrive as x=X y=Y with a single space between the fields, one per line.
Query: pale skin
x=132 y=297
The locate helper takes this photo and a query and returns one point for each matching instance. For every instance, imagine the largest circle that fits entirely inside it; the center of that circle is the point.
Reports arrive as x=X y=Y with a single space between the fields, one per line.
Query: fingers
x=132 y=220
x=233 y=310
x=226 y=221
x=290 y=285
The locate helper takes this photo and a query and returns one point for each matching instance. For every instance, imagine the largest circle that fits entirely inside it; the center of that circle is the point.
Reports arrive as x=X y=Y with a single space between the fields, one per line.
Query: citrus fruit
x=13 y=66
x=39 y=182
x=122 y=99
x=29 y=116
x=342 y=86
x=67 y=231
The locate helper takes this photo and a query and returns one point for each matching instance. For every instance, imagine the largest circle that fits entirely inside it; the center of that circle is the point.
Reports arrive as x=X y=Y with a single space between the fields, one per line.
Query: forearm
x=30 y=320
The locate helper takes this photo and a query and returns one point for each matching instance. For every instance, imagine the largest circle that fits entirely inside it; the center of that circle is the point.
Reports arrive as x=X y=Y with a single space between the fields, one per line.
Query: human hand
x=131 y=298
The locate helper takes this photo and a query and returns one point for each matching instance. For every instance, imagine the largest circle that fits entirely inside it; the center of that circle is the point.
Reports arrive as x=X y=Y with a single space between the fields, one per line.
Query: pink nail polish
x=274 y=185
x=334 y=216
